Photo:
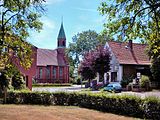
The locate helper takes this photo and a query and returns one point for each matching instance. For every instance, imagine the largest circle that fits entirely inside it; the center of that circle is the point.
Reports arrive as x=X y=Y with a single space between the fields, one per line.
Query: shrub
x=18 y=82
x=151 y=108
x=78 y=80
x=145 y=82
x=126 y=80
x=134 y=106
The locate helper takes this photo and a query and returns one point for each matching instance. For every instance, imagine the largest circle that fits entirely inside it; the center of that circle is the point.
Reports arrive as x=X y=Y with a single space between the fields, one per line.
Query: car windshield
x=110 y=85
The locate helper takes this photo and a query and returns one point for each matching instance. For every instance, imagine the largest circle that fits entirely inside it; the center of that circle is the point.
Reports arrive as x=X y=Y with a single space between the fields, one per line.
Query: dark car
x=113 y=87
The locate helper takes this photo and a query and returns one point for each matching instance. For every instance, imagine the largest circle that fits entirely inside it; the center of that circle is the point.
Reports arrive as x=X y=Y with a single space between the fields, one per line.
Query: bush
x=145 y=82
x=18 y=82
x=148 y=108
x=151 y=108
x=78 y=80
x=126 y=80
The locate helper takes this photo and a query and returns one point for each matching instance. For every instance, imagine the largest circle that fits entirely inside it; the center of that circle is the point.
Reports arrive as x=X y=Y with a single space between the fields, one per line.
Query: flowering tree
x=96 y=61
x=86 y=69
x=101 y=61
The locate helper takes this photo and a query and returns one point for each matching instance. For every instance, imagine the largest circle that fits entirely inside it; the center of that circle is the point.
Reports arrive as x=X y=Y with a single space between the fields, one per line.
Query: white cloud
x=46 y=36
x=86 y=9
x=48 y=23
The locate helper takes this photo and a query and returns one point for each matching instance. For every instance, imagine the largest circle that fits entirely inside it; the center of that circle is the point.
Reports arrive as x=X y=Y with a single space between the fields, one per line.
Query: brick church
x=48 y=66
x=52 y=65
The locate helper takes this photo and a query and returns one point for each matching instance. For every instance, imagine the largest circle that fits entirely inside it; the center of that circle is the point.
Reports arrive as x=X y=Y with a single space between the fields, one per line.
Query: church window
x=61 y=72
x=54 y=72
x=40 y=73
x=48 y=72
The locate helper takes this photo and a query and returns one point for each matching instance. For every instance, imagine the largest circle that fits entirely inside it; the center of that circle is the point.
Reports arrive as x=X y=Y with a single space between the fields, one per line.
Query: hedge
x=148 y=108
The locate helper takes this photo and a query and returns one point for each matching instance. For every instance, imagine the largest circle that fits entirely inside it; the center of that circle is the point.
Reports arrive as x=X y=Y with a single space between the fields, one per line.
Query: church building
x=52 y=65
x=48 y=65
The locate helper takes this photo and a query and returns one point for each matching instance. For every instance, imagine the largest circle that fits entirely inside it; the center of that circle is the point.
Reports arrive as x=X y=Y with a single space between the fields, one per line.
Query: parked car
x=113 y=87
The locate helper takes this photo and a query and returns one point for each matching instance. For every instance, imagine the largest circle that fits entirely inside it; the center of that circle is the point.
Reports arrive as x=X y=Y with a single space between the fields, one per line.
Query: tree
x=95 y=61
x=101 y=61
x=85 y=69
x=130 y=19
x=82 y=43
x=155 y=69
x=17 y=18
x=134 y=19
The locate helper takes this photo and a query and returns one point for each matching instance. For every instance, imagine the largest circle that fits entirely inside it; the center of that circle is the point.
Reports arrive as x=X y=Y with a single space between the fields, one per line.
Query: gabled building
x=52 y=65
x=48 y=66
x=127 y=59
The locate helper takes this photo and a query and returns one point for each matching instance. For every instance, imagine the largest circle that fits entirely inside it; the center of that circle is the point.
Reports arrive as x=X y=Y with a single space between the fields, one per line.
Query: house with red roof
x=127 y=59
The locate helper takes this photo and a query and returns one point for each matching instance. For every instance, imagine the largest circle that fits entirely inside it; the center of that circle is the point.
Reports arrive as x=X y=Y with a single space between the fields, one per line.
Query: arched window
x=61 y=72
x=63 y=43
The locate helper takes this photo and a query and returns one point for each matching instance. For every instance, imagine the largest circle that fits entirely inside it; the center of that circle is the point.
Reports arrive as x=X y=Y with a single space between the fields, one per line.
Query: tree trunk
x=5 y=95
x=89 y=81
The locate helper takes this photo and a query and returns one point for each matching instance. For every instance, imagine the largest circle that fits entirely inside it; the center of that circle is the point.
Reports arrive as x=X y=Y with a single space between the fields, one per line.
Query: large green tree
x=131 y=19
x=84 y=42
x=134 y=19
x=17 y=18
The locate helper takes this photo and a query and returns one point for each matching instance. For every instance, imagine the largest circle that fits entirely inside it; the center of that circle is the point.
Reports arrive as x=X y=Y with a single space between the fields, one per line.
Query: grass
x=28 y=112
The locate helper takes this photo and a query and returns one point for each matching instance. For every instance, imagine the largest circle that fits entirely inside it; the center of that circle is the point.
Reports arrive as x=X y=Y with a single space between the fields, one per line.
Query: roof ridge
x=46 y=49
x=122 y=42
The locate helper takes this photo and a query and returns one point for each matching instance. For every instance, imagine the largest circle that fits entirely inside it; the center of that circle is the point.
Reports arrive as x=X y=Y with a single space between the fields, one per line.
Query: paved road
x=73 y=88
x=76 y=88
x=143 y=94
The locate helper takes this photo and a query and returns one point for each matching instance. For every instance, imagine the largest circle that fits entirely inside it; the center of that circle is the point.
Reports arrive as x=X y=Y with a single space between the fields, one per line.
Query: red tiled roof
x=124 y=55
x=50 y=57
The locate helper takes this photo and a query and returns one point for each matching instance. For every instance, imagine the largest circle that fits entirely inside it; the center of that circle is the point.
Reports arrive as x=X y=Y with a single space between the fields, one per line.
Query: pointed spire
x=61 y=34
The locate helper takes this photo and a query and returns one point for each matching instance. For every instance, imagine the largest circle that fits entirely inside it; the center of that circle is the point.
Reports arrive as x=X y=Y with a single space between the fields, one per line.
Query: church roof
x=50 y=57
x=61 y=34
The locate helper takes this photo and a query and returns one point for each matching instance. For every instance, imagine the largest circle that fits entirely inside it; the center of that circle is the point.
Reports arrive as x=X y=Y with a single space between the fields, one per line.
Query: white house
x=127 y=59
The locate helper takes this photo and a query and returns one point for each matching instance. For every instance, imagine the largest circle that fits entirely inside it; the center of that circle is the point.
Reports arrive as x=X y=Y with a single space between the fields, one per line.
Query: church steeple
x=61 y=37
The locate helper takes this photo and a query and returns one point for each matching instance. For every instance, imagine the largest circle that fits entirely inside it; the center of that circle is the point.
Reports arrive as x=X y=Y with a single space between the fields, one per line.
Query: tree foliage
x=11 y=77
x=131 y=19
x=135 y=19
x=85 y=69
x=84 y=42
x=17 y=17
x=101 y=60
x=95 y=61
x=155 y=69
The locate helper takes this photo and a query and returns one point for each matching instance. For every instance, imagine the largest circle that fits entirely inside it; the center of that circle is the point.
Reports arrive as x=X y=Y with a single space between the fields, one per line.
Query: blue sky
x=78 y=16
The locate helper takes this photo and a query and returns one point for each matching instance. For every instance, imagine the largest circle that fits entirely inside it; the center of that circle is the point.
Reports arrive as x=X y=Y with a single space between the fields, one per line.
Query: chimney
x=130 y=45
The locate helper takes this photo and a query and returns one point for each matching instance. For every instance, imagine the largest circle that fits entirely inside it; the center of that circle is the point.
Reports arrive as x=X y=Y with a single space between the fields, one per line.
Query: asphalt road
x=73 y=88
x=76 y=88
